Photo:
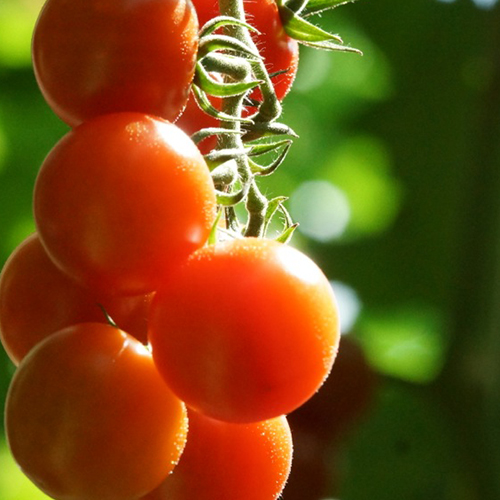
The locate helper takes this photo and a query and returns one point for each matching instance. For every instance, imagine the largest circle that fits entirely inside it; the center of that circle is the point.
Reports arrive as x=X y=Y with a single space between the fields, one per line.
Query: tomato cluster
x=151 y=362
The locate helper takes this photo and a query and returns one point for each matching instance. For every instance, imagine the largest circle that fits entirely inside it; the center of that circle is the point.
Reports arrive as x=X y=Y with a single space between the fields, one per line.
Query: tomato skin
x=93 y=57
x=88 y=417
x=121 y=200
x=259 y=339
x=37 y=299
x=224 y=461
x=280 y=52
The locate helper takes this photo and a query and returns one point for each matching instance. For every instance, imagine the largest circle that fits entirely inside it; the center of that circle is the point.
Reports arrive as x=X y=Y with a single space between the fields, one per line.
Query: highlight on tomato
x=37 y=299
x=247 y=330
x=121 y=200
x=88 y=416
x=225 y=461
x=93 y=57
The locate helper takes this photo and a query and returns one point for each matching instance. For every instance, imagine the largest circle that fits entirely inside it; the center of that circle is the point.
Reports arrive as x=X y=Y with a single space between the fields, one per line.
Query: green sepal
x=287 y=234
x=272 y=167
x=202 y=134
x=205 y=104
x=272 y=207
x=303 y=31
x=225 y=174
x=231 y=199
x=212 y=236
x=223 y=42
x=258 y=130
x=227 y=64
x=328 y=45
x=316 y=6
x=221 y=89
x=220 y=156
x=221 y=21
x=267 y=147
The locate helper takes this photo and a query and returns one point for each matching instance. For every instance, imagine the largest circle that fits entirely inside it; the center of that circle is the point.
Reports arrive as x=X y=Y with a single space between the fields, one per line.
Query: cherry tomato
x=121 y=200
x=89 y=417
x=224 y=461
x=37 y=299
x=280 y=52
x=93 y=57
x=247 y=330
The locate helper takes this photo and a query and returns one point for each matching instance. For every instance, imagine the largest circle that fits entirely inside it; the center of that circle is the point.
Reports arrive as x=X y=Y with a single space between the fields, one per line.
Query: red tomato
x=121 y=200
x=93 y=57
x=247 y=330
x=37 y=299
x=280 y=52
x=89 y=417
x=224 y=461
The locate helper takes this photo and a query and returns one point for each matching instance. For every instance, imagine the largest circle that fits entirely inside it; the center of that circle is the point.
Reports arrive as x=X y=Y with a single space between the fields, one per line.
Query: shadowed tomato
x=88 y=416
x=247 y=330
x=224 y=461
x=121 y=200
x=93 y=57
x=37 y=299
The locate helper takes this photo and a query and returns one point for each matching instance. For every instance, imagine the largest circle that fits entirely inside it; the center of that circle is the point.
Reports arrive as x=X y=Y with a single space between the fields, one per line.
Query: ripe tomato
x=247 y=330
x=224 y=461
x=37 y=299
x=88 y=416
x=121 y=200
x=93 y=57
x=280 y=52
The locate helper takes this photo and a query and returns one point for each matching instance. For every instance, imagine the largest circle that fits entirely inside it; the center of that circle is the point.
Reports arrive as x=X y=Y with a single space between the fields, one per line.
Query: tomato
x=93 y=57
x=280 y=52
x=37 y=299
x=224 y=461
x=88 y=417
x=247 y=330
x=121 y=200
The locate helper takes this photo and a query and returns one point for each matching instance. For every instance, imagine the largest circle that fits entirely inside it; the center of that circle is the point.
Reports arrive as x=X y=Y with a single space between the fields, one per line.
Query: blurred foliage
x=398 y=155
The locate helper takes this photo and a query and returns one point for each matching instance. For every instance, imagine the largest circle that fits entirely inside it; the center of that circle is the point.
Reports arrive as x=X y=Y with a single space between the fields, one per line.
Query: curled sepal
x=205 y=104
x=220 y=21
x=231 y=199
x=328 y=45
x=220 y=156
x=267 y=147
x=272 y=207
x=212 y=236
x=211 y=43
x=271 y=168
x=204 y=133
x=316 y=6
x=303 y=31
x=257 y=130
x=287 y=233
x=227 y=64
x=219 y=88
x=225 y=174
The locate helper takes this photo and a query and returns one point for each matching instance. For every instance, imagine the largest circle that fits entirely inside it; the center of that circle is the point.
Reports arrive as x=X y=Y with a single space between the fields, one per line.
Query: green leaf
x=298 y=28
x=224 y=42
x=218 y=88
x=220 y=21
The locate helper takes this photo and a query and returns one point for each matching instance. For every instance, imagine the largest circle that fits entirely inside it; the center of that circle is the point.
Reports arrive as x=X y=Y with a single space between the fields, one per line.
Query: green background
x=398 y=159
